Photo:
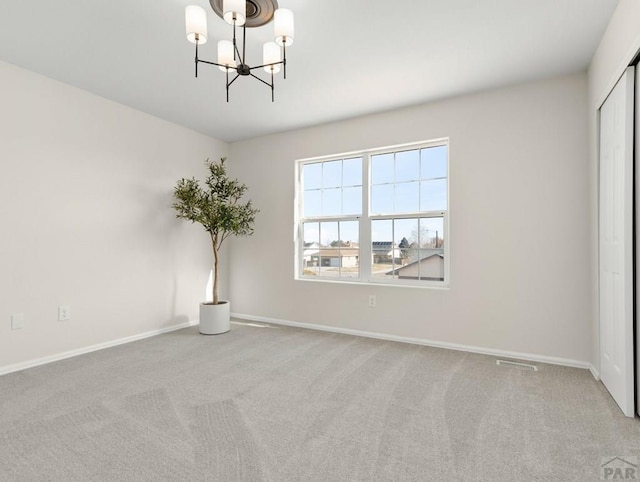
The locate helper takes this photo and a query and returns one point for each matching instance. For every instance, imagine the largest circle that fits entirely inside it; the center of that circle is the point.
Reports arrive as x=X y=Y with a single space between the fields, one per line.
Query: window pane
x=352 y=200
x=407 y=166
x=331 y=202
x=431 y=266
x=352 y=172
x=382 y=169
x=407 y=197
x=382 y=230
x=330 y=262
x=312 y=176
x=350 y=232
x=339 y=249
x=312 y=203
x=431 y=233
x=349 y=249
x=404 y=231
x=311 y=233
x=434 y=162
x=332 y=174
x=382 y=199
x=432 y=249
x=405 y=234
x=311 y=249
x=328 y=234
x=382 y=248
x=433 y=195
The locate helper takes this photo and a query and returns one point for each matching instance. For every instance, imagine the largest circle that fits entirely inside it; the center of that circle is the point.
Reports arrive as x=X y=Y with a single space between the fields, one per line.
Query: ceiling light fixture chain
x=243 y=13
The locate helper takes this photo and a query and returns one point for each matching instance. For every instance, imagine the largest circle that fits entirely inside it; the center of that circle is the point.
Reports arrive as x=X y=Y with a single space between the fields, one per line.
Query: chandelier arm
x=196 y=61
x=263 y=81
x=234 y=79
x=212 y=63
x=235 y=47
x=236 y=53
x=244 y=43
x=266 y=65
x=229 y=83
x=284 y=59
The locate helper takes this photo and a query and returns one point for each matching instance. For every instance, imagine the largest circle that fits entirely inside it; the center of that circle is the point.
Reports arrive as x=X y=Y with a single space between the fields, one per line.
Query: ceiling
x=349 y=58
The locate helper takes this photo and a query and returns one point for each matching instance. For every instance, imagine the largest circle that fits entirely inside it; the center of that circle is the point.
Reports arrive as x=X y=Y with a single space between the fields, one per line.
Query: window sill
x=427 y=285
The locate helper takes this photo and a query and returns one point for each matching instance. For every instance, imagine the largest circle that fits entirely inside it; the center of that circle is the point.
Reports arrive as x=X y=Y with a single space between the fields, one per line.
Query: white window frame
x=365 y=219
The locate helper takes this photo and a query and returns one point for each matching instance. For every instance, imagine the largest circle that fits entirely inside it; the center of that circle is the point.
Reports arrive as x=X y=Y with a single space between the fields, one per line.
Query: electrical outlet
x=372 y=301
x=64 y=313
x=17 y=321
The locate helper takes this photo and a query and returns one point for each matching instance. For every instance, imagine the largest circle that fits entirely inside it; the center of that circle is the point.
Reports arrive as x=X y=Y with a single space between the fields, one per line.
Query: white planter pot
x=215 y=319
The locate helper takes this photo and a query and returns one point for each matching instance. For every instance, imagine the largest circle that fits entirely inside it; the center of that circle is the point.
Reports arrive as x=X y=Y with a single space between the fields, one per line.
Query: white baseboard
x=100 y=346
x=347 y=331
x=421 y=341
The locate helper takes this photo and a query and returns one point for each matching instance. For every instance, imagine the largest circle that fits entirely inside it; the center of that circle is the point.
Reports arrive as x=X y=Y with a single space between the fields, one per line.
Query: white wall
x=85 y=195
x=520 y=270
x=618 y=47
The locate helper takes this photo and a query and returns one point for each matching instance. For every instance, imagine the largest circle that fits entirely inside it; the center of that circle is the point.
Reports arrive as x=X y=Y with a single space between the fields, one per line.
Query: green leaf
x=217 y=205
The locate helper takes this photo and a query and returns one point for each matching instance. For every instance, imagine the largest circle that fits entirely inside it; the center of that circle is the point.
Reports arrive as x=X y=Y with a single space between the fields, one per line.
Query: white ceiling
x=350 y=57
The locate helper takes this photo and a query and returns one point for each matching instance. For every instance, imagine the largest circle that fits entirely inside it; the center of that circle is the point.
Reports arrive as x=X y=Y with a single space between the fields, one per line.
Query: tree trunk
x=214 y=241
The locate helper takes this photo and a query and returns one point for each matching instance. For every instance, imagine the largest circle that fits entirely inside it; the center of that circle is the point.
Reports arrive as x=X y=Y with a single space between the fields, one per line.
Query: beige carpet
x=285 y=404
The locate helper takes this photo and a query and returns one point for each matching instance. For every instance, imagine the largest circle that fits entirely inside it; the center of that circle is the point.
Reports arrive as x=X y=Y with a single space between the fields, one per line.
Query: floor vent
x=520 y=366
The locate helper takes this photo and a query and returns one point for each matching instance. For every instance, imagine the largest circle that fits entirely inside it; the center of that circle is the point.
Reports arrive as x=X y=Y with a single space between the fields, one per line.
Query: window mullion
x=417 y=214
x=365 y=220
x=327 y=219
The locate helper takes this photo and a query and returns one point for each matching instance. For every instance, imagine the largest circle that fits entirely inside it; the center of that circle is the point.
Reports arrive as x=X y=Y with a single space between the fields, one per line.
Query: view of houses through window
x=377 y=216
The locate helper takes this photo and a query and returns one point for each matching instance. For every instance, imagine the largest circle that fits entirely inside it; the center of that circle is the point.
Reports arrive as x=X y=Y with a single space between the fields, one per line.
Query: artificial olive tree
x=217 y=207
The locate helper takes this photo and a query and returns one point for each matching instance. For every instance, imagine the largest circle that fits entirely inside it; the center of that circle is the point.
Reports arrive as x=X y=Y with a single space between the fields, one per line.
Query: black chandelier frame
x=243 y=69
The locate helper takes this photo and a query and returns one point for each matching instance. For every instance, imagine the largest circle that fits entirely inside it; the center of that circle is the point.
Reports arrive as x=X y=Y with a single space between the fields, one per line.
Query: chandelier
x=232 y=57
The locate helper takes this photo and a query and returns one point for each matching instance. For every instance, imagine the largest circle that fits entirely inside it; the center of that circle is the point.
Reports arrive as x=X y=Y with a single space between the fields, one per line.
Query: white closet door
x=615 y=247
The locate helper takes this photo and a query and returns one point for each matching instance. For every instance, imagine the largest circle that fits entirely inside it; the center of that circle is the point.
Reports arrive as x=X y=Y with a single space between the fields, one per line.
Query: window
x=378 y=216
